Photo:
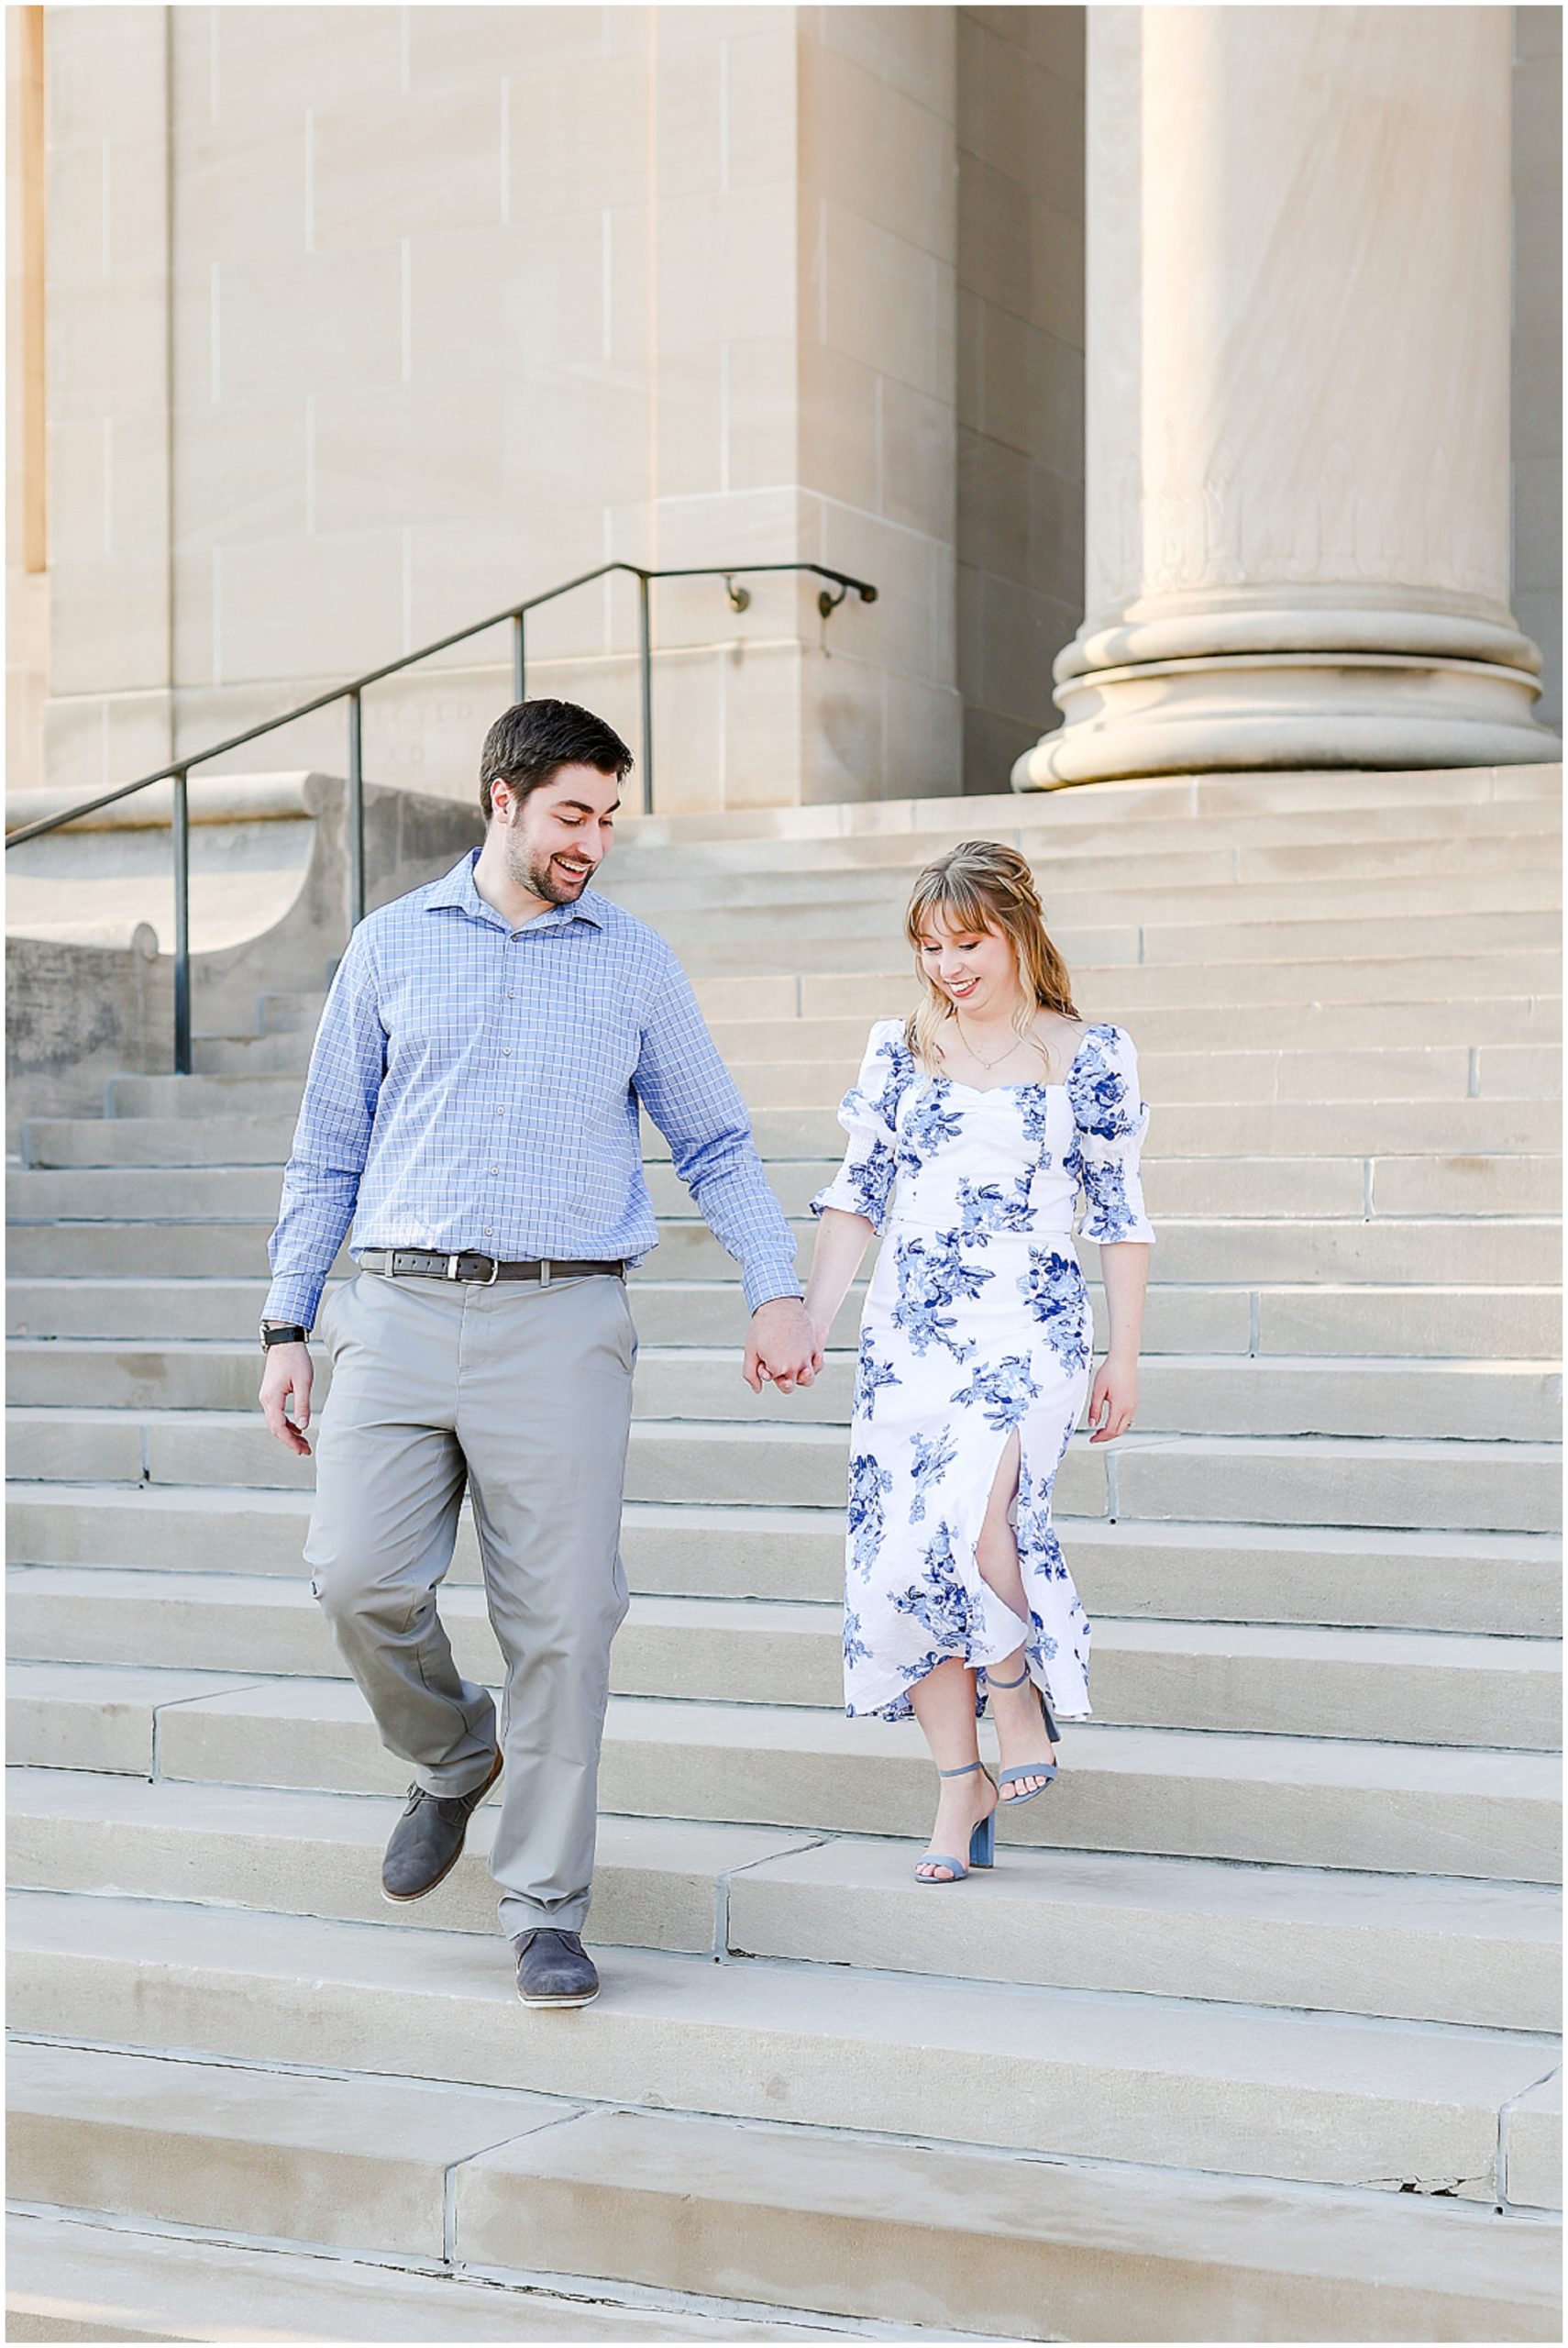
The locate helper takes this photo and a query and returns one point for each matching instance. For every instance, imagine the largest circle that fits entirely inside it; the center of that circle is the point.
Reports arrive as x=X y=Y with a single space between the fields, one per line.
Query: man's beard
x=526 y=869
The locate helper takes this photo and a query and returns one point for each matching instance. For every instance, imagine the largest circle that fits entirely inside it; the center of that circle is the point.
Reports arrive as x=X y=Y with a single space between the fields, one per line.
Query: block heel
x=982 y=1840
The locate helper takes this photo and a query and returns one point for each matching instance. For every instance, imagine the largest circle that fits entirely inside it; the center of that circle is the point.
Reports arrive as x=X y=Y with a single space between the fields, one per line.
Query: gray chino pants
x=524 y=1395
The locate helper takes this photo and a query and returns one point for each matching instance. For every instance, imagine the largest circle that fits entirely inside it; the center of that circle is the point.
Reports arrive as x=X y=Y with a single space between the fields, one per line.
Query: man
x=472 y=1107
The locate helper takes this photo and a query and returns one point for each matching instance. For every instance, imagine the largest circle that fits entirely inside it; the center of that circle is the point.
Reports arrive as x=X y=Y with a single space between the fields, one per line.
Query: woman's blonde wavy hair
x=982 y=885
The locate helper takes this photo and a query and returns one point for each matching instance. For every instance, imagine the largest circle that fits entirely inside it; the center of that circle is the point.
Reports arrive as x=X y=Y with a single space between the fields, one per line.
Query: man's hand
x=288 y=1370
x=781 y=1345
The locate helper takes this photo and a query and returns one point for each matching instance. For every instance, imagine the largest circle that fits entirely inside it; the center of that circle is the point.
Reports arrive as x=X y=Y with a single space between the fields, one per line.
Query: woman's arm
x=1113 y=1398
x=842 y=1241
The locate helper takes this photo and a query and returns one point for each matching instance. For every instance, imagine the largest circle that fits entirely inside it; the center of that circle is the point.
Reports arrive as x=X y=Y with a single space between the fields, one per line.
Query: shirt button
x=495 y=1170
x=490 y=1231
x=506 y=1051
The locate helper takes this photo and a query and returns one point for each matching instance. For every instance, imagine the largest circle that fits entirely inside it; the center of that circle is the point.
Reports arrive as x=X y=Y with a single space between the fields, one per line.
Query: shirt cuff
x=294 y=1298
x=762 y=1288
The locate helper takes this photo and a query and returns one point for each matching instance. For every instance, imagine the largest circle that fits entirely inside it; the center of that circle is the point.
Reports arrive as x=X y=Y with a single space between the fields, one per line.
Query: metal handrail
x=178 y=771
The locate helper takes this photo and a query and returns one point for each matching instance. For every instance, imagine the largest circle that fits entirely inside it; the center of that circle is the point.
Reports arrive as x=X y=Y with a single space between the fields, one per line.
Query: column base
x=1253 y=711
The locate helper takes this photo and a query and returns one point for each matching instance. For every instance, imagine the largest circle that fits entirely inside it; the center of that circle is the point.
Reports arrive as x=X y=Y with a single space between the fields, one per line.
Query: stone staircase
x=1250 y=2036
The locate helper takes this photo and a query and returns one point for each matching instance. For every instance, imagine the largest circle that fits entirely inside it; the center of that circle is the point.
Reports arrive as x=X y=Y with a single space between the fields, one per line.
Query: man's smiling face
x=556 y=838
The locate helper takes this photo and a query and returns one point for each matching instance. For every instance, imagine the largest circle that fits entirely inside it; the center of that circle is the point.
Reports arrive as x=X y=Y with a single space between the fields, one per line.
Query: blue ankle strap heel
x=982 y=1842
x=1046 y=1769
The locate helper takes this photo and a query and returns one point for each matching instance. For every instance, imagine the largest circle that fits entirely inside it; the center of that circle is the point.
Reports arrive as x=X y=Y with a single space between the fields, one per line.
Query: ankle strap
x=966 y=1771
x=993 y=1681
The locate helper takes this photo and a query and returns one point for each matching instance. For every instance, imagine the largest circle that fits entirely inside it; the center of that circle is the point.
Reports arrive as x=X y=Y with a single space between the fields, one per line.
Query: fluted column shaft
x=1297 y=369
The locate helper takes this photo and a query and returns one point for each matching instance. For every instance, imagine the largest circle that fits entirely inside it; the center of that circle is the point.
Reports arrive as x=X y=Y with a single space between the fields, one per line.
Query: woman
x=972 y=1127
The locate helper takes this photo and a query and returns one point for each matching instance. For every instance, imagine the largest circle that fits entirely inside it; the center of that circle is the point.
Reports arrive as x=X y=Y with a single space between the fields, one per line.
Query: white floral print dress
x=976 y=1322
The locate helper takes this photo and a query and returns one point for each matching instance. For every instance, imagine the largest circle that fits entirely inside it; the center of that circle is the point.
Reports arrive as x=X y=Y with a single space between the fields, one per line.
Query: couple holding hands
x=472 y=1108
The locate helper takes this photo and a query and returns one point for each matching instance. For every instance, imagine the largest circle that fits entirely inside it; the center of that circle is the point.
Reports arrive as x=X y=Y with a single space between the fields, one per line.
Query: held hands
x=1113 y=1398
x=288 y=1371
x=781 y=1343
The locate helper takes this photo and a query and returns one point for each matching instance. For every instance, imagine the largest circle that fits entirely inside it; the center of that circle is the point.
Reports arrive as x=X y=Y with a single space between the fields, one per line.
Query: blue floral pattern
x=1054 y=1290
x=975 y=1193
x=871 y=1375
x=933 y=1455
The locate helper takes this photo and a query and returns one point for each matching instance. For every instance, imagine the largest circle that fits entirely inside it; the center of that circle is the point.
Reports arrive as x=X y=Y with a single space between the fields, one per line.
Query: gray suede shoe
x=554 y=1969
x=427 y=1840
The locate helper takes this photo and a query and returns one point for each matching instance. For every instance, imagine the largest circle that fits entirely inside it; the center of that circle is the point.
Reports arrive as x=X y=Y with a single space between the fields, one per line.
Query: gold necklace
x=974 y=1056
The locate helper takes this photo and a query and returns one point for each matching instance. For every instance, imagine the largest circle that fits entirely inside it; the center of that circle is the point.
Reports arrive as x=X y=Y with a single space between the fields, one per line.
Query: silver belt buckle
x=494 y=1271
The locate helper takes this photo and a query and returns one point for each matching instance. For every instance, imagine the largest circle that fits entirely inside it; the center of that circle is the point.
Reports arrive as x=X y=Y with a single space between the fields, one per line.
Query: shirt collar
x=456 y=890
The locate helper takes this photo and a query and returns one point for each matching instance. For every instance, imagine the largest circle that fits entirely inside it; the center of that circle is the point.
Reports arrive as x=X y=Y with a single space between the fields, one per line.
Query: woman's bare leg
x=1021 y=1732
x=943 y=1703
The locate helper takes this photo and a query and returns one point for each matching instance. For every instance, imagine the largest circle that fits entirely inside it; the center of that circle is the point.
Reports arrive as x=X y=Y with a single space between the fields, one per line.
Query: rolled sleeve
x=692 y=1097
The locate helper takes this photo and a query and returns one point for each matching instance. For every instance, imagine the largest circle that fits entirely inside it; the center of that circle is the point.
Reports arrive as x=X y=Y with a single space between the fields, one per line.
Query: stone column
x=1298 y=356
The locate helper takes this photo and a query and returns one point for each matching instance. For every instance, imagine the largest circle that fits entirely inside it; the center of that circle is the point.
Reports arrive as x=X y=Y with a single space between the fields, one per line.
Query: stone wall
x=1020 y=372
x=1537 y=343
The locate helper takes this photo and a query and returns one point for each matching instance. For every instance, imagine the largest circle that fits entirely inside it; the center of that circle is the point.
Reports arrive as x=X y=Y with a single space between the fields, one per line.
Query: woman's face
x=975 y=969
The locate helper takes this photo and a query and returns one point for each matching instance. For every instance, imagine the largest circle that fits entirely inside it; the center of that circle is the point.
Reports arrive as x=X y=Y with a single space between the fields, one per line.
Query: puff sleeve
x=1111 y=1120
x=864 y=1183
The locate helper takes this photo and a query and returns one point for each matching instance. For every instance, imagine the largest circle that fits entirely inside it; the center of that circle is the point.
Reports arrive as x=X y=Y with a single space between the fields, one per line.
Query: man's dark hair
x=530 y=742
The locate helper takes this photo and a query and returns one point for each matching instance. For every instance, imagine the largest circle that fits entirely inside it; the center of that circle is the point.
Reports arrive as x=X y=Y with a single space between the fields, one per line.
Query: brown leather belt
x=470 y=1270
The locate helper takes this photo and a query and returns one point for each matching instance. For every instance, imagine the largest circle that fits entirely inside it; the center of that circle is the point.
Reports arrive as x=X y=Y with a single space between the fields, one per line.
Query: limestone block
x=282 y=598
x=238 y=199
x=886 y=302
x=323 y=321
x=254 y=69
x=1532 y=2147
x=1307 y=2097
x=765 y=379
x=867 y=148
x=396 y=457
x=839 y=400
x=725 y=266
x=690 y=421
x=412 y=168
x=157 y=2286
x=358 y=2164
x=688 y=97
x=760 y=72
x=911 y=49
x=913 y=2235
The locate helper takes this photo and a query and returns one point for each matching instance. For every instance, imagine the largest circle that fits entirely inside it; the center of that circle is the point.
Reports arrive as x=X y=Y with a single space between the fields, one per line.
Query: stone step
x=1473 y=1487
x=1157 y=856
x=1301 y=1026
x=67 y=1151
x=1083 y=824
x=1485 y=1251
x=1178 y=1393
x=1268 y=1679
x=877 y=2232
x=75 y=2278
x=883 y=988
x=1341 y=803
x=887 y=988
x=870 y=901
x=1407 y=1073
x=1296 y=1189
x=1181 y=1130
x=1299 y=1801
x=1310 y=2097
x=1426 y=1949
x=1483 y=1325
x=1498 y=1584
x=709 y=945
x=1477 y=1487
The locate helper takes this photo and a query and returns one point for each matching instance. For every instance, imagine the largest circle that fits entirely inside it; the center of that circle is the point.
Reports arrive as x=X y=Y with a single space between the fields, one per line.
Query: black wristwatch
x=282 y=1332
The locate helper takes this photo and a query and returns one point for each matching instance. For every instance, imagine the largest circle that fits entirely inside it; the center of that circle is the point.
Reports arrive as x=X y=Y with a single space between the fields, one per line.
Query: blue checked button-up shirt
x=475 y=1088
